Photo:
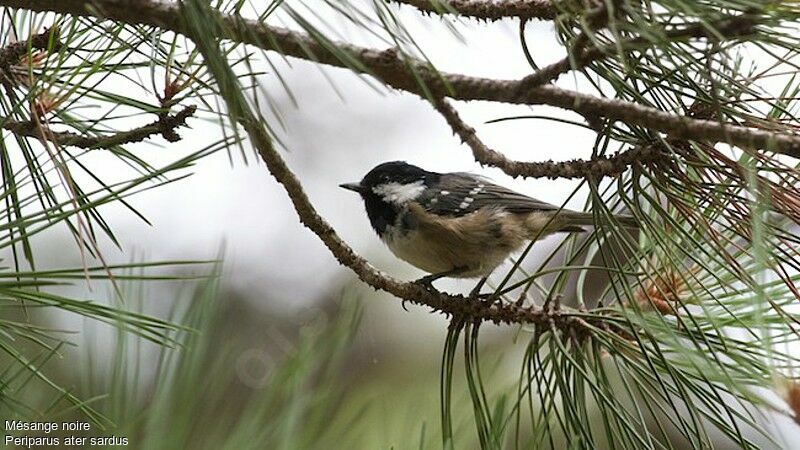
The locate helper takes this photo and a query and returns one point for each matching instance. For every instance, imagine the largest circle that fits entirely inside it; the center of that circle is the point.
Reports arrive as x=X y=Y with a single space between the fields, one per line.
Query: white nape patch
x=399 y=194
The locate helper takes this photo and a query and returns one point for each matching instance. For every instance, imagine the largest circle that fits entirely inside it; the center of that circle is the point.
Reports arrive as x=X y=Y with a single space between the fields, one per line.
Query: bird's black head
x=388 y=188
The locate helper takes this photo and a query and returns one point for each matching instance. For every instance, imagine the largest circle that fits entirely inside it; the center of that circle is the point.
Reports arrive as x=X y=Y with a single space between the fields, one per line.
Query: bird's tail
x=574 y=220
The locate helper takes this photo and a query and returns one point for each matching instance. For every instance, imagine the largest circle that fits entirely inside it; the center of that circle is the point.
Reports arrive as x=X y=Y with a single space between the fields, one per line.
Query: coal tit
x=456 y=224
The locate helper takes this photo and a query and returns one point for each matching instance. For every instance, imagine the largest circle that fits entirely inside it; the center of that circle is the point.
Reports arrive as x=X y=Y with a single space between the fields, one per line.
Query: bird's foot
x=427 y=280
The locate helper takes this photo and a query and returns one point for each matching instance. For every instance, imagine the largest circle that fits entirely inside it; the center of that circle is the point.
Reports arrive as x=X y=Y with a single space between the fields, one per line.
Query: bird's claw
x=426 y=282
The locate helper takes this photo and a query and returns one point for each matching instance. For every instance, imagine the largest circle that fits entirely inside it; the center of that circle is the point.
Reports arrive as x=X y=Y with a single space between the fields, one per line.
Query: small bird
x=457 y=224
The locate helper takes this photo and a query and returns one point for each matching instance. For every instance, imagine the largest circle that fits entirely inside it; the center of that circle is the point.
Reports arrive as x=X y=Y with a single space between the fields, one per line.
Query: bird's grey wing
x=459 y=194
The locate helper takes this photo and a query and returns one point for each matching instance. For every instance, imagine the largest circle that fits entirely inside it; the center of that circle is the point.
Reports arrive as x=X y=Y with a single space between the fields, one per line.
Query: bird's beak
x=355 y=187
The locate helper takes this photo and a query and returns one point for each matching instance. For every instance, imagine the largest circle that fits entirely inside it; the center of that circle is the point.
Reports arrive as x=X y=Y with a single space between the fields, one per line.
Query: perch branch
x=488 y=9
x=405 y=72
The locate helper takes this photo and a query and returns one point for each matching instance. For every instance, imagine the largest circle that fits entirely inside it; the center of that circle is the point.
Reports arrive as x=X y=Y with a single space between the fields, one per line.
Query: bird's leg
x=477 y=289
x=428 y=280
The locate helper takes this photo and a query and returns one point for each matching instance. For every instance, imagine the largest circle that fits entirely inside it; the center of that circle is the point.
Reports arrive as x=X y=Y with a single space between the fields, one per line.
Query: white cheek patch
x=399 y=194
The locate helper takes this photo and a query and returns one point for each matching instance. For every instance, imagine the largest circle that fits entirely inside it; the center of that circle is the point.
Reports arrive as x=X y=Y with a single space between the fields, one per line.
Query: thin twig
x=581 y=57
x=595 y=168
x=165 y=126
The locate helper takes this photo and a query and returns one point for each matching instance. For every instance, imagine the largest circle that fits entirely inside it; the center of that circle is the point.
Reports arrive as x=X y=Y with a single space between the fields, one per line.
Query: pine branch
x=595 y=168
x=165 y=126
x=488 y=9
x=405 y=72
